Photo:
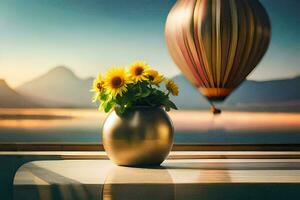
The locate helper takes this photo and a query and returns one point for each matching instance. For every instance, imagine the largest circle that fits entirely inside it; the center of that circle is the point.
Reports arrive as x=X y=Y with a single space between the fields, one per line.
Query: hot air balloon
x=217 y=43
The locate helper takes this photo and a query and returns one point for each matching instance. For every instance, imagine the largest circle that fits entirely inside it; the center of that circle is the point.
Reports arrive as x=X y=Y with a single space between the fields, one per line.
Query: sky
x=90 y=36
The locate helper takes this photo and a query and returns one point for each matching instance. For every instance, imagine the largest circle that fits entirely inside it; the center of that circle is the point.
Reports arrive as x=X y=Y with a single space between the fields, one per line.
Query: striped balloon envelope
x=217 y=43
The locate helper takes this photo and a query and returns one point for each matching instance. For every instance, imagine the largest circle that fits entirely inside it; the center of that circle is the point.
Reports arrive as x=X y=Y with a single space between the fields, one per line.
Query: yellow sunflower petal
x=138 y=71
x=116 y=81
x=154 y=77
x=98 y=84
x=172 y=87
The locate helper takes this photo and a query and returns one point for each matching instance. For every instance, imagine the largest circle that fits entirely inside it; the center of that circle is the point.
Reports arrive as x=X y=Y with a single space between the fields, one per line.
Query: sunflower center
x=151 y=78
x=99 y=86
x=139 y=71
x=116 y=82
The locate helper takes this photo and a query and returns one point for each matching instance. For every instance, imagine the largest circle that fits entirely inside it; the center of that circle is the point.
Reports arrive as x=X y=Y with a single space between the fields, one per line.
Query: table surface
x=175 y=179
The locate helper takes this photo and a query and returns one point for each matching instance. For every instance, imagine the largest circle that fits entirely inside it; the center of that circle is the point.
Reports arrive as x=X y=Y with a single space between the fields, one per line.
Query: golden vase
x=142 y=136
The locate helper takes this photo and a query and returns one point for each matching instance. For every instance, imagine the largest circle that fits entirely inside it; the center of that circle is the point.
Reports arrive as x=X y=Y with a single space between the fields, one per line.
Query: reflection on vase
x=142 y=136
x=124 y=183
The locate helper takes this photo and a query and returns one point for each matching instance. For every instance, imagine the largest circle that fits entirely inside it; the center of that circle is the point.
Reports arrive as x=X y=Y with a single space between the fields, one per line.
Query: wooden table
x=186 y=179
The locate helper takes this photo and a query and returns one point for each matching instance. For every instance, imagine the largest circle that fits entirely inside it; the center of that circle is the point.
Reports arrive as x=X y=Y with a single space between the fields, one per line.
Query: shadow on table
x=9 y=166
x=48 y=186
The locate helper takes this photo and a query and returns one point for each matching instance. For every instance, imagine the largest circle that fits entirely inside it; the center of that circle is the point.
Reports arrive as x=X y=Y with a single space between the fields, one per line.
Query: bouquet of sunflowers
x=122 y=89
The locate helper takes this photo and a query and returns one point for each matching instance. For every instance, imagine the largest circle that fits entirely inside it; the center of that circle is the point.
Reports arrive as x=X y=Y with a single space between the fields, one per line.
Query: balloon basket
x=215 y=110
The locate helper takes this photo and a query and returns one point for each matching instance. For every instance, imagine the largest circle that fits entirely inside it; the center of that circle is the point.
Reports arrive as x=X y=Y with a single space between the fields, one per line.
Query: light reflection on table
x=175 y=179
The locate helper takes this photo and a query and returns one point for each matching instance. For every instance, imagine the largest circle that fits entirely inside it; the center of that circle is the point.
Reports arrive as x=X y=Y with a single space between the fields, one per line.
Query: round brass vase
x=140 y=137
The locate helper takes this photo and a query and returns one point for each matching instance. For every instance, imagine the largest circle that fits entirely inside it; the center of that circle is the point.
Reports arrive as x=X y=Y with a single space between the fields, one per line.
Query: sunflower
x=98 y=84
x=172 y=87
x=138 y=71
x=116 y=81
x=154 y=77
x=97 y=87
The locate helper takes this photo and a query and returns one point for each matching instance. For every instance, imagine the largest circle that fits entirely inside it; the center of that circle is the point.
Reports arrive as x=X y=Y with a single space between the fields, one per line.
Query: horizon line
x=91 y=76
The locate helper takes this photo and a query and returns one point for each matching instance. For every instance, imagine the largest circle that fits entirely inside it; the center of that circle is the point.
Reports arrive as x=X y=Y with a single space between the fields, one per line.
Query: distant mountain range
x=272 y=95
x=11 y=98
x=60 y=87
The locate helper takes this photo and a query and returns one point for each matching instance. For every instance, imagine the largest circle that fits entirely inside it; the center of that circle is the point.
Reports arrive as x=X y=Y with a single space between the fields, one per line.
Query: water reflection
x=198 y=120
x=79 y=125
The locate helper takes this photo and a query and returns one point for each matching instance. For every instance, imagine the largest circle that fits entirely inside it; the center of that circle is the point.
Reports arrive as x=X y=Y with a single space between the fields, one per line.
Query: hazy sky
x=90 y=35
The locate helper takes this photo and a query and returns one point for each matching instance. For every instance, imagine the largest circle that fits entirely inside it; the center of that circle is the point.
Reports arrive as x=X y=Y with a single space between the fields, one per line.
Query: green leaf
x=167 y=108
x=108 y=106
x=172 y=104
x=103 y=96
x=146 y=93
x=119 y=110
x=149 y=102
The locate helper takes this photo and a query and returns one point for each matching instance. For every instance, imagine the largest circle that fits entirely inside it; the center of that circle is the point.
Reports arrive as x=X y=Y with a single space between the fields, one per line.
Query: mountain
x=11 y=99
x=59 y=87
x=273 y=91
x=273 y=95
x=189 y=97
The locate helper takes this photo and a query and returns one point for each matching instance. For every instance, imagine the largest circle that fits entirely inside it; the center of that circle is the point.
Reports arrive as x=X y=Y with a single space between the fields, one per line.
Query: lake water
x=77 y=125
